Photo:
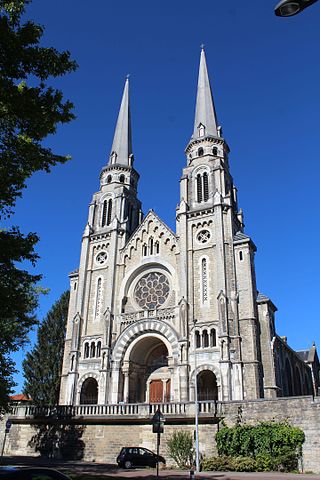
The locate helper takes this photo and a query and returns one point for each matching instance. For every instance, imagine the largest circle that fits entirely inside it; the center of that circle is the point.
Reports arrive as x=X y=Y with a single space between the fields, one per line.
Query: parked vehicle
x=31 y=473
x=138 y=457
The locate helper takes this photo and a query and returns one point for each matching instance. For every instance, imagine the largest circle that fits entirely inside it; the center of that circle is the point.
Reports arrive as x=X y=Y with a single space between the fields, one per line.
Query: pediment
x=151 y=226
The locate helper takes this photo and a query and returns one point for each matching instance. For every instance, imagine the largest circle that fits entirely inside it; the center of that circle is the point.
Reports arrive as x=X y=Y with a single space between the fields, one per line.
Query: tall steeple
x=121 y=151
x=205 y=122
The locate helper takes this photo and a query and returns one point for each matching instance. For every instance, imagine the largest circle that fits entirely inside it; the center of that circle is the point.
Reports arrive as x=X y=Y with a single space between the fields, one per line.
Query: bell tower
x=208 y=223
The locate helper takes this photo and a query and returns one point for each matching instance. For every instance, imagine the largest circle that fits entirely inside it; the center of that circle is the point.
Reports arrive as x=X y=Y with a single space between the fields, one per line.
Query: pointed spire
x=122 y=141
x=205 y=122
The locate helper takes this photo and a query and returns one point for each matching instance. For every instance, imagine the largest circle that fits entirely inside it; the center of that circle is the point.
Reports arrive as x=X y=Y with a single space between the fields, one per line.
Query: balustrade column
x=126 y=385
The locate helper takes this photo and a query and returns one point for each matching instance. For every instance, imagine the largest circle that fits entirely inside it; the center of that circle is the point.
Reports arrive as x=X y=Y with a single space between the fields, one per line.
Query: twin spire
x=205 y=122
x=205 y=115
x=121 y=150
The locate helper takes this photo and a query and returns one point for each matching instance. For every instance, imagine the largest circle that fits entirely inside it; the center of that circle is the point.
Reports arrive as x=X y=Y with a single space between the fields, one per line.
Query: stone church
x=155 y=313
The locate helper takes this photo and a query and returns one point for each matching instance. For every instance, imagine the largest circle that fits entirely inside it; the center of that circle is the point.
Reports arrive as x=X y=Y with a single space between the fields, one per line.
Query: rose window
x=101 y=258
x=203 y=236
x=152 y=290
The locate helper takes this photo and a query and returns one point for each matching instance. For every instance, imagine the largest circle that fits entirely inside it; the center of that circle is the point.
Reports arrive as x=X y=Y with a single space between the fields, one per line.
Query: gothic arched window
x=213 y=338
x=121 y=178
x=205 y=187
x=205 y=339
x=199 y=188
x=151 y=246
x=98 y=297
x=98 y=352
x=109 y=211
x=215 y=151
x=204 y=280
x=144 y=250
x=200 y=152
x=86 y=350
x=104 y=213
x=92 y=350
x=109 y=178
x=157 y=247
x=198 y=339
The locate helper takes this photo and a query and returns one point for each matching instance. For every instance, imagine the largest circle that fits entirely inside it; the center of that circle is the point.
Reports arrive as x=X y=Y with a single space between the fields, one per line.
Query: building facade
x=153 y=311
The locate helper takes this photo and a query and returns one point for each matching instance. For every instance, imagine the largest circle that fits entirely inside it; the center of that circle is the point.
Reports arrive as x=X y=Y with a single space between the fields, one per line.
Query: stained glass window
x=152 y=290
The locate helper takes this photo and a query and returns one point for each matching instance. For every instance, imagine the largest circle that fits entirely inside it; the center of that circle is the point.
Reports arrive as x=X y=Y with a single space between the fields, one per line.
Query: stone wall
x=102 y=438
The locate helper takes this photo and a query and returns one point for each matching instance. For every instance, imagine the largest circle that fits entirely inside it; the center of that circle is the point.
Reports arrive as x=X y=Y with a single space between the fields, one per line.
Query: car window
x=143 y=451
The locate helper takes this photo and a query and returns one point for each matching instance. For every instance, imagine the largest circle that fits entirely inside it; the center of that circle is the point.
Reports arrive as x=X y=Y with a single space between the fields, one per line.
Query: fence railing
x=142 y=410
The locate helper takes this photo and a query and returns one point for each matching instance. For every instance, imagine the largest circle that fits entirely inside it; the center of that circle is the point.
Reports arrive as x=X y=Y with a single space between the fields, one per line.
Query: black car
x=31 y=473
x=138 y=457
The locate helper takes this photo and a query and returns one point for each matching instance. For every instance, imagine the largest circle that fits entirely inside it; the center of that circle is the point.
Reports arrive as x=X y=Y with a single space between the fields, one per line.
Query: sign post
x=7 y=430
x=157 y=427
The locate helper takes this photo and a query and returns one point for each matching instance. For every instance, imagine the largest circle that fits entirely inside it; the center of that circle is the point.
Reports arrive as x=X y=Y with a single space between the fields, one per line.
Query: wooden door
x=156 y=391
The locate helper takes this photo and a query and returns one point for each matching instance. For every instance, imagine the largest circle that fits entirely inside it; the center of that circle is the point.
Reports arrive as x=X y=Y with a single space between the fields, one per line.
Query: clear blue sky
x=265 y=75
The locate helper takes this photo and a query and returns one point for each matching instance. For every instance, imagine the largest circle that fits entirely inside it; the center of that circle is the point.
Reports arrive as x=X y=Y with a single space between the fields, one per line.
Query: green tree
x=30 y=110
x=42 y=366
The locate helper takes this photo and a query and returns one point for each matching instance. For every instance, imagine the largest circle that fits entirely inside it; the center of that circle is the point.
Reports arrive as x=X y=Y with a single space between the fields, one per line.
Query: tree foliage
x=30 y=110
x=180 y=448
x=42 y=366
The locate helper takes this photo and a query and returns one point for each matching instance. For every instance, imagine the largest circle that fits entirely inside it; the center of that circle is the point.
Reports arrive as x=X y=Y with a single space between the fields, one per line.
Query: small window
x=240 y=256
x=151 y=246
x=98 y=352
x=144 y=250
x=205 y=339
x=213 y=338
x=92 y=350
x=72 y=363
x=109 y=178
x=198 y=340
x=215 y=151
x=86 y=350
x=75 y=286
x=157 y=247
x=200 y=152
x=121 y=178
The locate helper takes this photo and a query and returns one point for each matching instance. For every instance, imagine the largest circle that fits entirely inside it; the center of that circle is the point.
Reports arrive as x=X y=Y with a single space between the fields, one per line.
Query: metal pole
x=196 y=398
x=158 y=447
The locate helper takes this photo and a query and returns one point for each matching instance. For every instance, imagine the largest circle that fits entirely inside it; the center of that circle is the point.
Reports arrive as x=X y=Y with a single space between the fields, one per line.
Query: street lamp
x=288 y=8
x=196 y=405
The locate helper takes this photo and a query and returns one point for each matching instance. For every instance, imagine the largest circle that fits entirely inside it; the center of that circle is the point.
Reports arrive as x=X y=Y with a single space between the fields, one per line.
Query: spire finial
x=122 y=142
x=205 y=122
x=202 y=46
x=128 y=76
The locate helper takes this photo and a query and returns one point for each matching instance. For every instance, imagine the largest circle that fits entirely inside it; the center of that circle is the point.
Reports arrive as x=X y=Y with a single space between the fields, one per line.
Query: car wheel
x=127 y=464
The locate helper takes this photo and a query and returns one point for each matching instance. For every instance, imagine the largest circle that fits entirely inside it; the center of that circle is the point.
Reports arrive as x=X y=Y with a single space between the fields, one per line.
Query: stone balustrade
x=138 y=410
x=127 y=319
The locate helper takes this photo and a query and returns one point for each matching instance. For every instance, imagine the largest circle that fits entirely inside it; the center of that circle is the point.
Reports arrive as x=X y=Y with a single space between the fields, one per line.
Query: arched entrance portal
x=146 y=377
x=207 y=386
x=89 y=392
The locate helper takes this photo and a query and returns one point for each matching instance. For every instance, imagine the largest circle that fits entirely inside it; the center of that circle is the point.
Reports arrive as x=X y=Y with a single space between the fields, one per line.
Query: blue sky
x=265 y=75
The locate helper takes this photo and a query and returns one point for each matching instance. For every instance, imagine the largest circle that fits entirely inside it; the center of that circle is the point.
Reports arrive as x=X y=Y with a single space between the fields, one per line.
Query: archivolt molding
x=164 y=331
x=207 y=366
x=84 y=377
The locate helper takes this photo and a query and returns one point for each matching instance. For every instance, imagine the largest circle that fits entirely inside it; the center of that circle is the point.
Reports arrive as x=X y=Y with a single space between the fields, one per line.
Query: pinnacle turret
x=121 y=151
x=205 y=122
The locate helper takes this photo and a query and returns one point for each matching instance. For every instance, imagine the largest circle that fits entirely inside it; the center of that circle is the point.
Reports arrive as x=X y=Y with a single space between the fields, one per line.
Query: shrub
x=271 y=445
x=216 y=464
x=180 y=448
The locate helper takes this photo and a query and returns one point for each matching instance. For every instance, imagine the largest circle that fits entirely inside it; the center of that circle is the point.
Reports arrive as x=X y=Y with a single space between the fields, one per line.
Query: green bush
x=216 y=464
x=272 y=445
x=180 y=448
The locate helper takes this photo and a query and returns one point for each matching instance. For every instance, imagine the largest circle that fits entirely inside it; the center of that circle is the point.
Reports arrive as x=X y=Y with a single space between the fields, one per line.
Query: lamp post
x=196 y=397
x=288 y=8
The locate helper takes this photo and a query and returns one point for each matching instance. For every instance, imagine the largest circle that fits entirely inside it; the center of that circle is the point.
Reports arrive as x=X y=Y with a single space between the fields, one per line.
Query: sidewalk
x=110 y=471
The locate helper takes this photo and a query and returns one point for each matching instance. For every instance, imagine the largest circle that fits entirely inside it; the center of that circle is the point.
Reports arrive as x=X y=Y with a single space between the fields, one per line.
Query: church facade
x=154 y=313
